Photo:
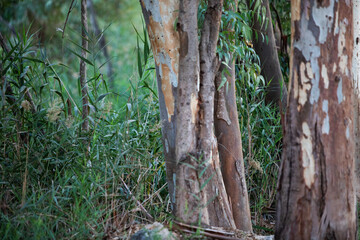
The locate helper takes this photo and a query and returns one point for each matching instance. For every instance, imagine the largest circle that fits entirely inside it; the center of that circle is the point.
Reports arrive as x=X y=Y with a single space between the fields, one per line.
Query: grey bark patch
x=326 y=122
x=339 y=92
x=324 y=24
x=310 y=49
x=154 y=8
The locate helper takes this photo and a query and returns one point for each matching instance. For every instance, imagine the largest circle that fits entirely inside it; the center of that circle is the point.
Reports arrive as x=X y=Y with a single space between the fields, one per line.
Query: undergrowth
x=58 y=182
x=261 y=130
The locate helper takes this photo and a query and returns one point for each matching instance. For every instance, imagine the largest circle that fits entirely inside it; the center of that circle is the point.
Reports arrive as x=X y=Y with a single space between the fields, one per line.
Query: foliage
x=53 y=184
x=262 y=143
x=47 y=19
x=259 y=123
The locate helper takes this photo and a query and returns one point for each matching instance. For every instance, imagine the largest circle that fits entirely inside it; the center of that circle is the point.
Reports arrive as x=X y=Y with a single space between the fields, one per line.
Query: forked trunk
x=186 y=71
x=200 y=191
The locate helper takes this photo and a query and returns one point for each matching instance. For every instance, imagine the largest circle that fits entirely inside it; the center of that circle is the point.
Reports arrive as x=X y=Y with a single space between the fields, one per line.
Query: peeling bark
x=160 y=17
x=200 y=187
x=186 y=70
x=228 y=134
x=356 y=76
x=316 y=197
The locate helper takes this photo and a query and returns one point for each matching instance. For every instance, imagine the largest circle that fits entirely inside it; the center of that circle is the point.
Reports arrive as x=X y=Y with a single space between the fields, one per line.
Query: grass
x=261 y=130
x=57 y=182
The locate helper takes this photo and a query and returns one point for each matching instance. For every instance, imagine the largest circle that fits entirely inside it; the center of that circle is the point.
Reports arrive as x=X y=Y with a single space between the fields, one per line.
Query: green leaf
x=78 y=45
x=81 y=57
x=206 y=182
x=102 y=96
x=223 y=81
x=139 y=59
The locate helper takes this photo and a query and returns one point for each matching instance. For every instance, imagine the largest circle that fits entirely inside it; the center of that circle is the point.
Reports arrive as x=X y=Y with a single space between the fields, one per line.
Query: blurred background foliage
x=117 y=19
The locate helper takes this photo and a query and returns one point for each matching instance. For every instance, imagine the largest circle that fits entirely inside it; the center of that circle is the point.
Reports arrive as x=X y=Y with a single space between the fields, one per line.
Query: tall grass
x=59 y=183
x=52 y=184
x=261 y=130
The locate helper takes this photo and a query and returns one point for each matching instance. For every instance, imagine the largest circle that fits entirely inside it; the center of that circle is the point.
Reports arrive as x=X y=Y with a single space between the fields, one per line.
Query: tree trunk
x=276 y=91
x=356 y=76
x=316 y=197
x=228 y=134
x=83 y=83
x=194 y=177
x=160 y=16
x=200 y=194
x=230 y=149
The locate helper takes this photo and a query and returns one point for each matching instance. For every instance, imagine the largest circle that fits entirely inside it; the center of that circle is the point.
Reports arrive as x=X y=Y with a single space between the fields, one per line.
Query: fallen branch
x=218 y=233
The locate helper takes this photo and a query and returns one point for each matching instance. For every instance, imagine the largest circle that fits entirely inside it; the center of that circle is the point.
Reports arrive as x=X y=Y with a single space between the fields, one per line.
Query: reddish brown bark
x=316 y=197
x=230 y=149
x=356 y=76
x=265 y=48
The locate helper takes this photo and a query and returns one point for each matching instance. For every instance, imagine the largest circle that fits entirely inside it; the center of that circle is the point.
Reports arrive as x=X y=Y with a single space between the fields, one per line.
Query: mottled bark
x=316 y=197
x=190 y=201
x=276 y=91
x=200 y=187
x=160 y=16
x=356 y=77
x=195 y=180
x=83 y=83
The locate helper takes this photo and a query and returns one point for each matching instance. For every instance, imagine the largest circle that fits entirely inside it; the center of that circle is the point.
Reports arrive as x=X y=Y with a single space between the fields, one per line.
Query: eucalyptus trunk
x=265 y=48
x=316 y=195
x=228 y=134
x=160 y=16
x=186 y=70
x=356 y=76
x=230 y=149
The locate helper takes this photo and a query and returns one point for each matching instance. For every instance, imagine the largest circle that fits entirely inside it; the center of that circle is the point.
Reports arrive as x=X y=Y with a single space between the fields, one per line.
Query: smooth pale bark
x=83 y=83
x=230 y=149
x=316 y=198
x=160 y=16
x=276 y=91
